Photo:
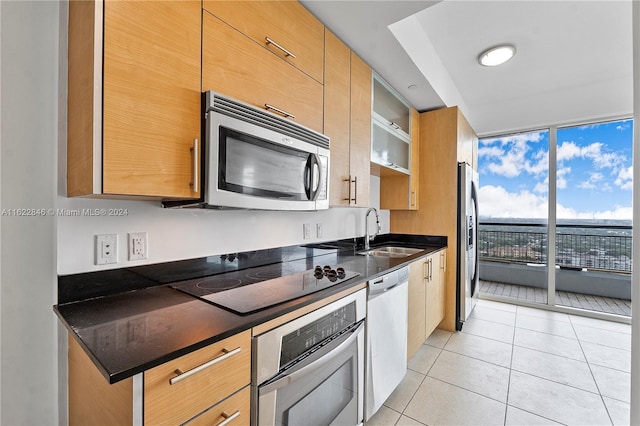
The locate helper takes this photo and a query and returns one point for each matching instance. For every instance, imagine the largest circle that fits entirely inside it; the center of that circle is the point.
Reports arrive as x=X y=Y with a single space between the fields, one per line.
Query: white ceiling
x=573 y=64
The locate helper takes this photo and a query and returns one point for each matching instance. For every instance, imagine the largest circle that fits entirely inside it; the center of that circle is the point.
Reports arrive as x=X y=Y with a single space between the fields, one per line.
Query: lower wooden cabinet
x=427 y=299
x=171 y=398
x=235 y=410
x=210 y=385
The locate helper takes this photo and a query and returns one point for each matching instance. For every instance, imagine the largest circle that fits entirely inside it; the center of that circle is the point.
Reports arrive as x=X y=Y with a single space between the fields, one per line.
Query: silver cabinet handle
x=228 y=418
x=425 y=270
x=394 y=125
x=181 y=375
x=413 y=198
x=350 y=181
x=194 y=151
x=286 y=52
x=355 y=190
x=279 y=111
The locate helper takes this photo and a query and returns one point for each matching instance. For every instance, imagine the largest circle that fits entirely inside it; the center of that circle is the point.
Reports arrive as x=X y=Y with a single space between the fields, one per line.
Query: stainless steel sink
x=390 y=251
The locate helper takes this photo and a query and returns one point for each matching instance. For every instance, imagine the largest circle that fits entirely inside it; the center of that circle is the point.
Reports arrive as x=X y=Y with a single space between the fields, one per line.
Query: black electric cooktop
x=244 y=292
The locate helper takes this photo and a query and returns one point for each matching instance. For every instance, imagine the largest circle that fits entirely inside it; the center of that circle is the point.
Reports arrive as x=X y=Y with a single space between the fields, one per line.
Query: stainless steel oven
x=310 y=371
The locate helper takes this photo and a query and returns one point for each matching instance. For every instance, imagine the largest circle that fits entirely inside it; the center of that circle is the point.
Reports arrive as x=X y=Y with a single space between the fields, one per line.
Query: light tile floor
x=514 y=365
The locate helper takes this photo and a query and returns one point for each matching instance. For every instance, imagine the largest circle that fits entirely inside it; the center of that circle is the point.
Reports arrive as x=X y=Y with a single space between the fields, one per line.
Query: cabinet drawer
x=297 y=36
x=166 y=403
x=234 y=410
x=236 y=66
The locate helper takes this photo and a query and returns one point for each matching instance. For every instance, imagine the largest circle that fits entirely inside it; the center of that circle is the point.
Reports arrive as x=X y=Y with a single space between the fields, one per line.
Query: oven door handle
x=285 y=379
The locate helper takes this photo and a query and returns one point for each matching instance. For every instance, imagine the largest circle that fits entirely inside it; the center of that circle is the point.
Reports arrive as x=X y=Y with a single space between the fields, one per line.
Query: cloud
x=624 y=125
x=561 y=180
x=625 y=178
x=569 y=150
x=490 y=152
x=519 y=138
x=497 y=202
x=593 y=181
x=511 y=153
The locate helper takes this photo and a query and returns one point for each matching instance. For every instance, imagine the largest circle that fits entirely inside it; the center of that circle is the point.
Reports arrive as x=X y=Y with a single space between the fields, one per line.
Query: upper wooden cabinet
x=399 y=191
x=391 y=132
x=347 y=121
x=134 y=98
x=286 y=28
x=359 y=158
x=239 y=67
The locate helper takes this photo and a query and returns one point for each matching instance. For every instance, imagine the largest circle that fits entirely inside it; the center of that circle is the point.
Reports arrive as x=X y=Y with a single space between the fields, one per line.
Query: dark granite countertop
x=130 y=320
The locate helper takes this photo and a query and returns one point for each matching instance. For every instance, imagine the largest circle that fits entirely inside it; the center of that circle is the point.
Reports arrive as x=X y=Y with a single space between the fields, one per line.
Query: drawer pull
x=286 y=52
x=228 y=418
x=181 y=375
x=279 y=111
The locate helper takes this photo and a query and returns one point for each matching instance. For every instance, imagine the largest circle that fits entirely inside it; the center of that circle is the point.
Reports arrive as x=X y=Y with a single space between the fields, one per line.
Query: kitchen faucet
x=366 y=227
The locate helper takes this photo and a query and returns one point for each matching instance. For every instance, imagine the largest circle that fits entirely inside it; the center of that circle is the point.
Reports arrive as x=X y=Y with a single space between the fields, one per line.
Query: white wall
x=186 y=233
x=29 y=133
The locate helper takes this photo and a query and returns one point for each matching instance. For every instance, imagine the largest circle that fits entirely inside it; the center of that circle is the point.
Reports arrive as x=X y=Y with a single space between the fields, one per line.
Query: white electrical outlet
x=138 y=245
x=106 y=249
x=318 y=230
x=306 y=231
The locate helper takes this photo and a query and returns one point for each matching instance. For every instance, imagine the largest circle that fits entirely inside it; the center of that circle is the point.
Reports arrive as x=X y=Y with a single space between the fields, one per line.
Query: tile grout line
x=592 y=375
x=513 y=339
x=402 y=413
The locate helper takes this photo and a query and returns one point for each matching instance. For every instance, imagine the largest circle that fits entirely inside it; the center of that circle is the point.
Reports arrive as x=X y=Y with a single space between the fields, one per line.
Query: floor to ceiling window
x=594 y=211
x=570 y=185
x=513 y=205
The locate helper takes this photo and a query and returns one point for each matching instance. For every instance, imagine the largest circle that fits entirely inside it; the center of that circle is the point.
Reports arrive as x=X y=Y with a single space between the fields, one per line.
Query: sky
x=594 y=173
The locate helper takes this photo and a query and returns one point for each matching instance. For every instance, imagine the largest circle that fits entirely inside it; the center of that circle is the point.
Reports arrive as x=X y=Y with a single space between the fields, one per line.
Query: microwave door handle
x=310 y=168
x=286 y=379
x=308 y=176
x=315 y=176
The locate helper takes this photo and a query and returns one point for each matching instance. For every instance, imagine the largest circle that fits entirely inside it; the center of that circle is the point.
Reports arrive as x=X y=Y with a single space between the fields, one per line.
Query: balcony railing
x=593 y=247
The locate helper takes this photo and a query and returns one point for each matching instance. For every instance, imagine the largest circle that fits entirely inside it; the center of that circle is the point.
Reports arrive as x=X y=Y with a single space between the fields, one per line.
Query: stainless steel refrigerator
x=467 y=268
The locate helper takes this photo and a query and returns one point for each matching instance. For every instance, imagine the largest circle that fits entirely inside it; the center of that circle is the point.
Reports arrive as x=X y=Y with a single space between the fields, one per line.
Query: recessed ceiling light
x=496 y=55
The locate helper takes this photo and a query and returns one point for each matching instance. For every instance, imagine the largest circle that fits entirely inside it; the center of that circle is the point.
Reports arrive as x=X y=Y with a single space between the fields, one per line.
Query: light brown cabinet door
x=134 y=98
x=167 y=403
x=151 y=97
x=236 y=66
x=295 y=35
x=337 y=116
x=416 y=325
x=360 y=156
x=436 y=290
x=236 y=408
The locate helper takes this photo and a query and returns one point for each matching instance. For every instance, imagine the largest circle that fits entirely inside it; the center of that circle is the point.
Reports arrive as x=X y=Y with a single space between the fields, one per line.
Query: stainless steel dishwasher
x=386 y=335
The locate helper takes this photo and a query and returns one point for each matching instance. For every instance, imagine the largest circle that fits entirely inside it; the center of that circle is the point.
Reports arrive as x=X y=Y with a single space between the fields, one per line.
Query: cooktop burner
x=244 y=295
x=217 y=283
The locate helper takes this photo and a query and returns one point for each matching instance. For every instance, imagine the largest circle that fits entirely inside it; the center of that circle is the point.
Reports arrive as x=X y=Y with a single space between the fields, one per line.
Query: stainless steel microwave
x=255 y=159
